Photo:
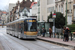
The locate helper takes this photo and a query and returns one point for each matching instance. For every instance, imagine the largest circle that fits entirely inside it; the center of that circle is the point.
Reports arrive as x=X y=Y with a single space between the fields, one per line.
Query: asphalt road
x=12 y=43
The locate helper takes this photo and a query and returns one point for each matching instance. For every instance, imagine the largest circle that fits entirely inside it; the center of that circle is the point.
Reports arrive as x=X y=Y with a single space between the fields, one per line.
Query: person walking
x=66 y=34
x=50 y=32
x=43 y=32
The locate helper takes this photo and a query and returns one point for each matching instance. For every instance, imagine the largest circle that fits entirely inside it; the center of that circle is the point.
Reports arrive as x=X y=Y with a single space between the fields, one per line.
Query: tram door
x=22 y=28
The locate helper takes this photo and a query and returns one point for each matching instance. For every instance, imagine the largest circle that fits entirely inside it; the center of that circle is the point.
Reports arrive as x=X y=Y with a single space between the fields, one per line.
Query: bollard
x=61 y=35
x=71 y=36
x=57 y=35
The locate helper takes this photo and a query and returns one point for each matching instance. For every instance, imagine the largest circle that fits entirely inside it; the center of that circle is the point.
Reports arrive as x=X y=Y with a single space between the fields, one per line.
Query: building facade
x=44 y=9
x=73 y=11
x=69 y=12
x=60 y=6
x=50 y=6
x=34 y=10
x=47 y=6
x=11 y=6
x=15 y=12
x=3 y=17
x=38 y=4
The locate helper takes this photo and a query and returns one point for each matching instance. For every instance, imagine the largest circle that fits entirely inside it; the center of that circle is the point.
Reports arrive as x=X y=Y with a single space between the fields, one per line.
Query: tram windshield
x=30 y=25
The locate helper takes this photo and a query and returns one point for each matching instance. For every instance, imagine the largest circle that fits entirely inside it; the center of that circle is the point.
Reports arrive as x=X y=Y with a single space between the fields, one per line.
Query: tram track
x=29 y=42
x=17 y=42
x=33 y=44
x=40 y=46
x=23 y=43
x=6 y=43
x=3 y=41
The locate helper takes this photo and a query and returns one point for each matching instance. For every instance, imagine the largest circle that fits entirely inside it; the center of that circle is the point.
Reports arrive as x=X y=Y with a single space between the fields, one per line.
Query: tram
x=23 y=28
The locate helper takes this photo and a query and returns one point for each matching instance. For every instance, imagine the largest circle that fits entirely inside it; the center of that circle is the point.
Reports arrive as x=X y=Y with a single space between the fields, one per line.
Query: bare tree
x=6 y=8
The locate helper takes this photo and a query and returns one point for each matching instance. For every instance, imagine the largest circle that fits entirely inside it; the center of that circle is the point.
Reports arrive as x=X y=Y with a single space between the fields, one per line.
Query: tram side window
x=16 y=27
x=25 y=26
x=13 y=27
x=19 y=29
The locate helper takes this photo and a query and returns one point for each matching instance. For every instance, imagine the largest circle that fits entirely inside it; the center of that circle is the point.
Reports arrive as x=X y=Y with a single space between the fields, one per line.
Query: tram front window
x=30 y=26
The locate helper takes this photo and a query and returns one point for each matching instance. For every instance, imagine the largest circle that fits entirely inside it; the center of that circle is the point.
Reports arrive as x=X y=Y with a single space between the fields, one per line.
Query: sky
x=4 y=4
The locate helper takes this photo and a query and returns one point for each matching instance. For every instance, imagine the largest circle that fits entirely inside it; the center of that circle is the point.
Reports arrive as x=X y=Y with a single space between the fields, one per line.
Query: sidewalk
x=58 y=41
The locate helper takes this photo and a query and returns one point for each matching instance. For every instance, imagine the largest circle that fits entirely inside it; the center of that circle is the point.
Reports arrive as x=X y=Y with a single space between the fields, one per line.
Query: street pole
x=2 y=23
x=54 y=16
x=66 y=14
x=54 y=28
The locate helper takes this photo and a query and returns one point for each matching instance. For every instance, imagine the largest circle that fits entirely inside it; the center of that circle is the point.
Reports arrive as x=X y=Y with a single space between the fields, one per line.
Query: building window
x=56 y=9
x=59 y=8
x=74 y=12
x=50 y=1
x=38 y=2
x=38 y=10
x=38 y=17
x=50 y=9
x=62 y=8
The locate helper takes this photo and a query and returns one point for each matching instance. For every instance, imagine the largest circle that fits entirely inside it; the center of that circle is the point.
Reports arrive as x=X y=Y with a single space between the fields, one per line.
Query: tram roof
x=21 y=19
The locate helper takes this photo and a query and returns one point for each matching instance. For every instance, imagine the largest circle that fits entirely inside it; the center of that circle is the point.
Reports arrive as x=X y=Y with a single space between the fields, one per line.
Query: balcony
x=73 y=19
x=59 y=0
x=74 y=5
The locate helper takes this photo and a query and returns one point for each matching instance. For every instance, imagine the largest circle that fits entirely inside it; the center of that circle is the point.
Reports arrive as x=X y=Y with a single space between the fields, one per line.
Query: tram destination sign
x=31 y=20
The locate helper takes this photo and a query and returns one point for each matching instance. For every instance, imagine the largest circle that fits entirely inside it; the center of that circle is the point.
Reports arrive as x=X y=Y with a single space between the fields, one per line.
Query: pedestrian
x=50 y=32
x=43 y=32
x=66 y=34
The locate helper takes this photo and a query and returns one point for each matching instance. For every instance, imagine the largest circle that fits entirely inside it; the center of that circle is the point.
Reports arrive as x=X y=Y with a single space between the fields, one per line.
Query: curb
x=58 y=43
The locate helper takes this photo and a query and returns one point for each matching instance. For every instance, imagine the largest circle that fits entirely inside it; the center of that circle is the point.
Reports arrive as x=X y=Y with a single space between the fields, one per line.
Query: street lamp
x=66 y=15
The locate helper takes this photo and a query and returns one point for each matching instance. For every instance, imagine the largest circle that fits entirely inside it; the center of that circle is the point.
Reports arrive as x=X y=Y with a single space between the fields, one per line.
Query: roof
x=4 y=12
x=24 y=4
x=33 y=4
x=21 y=19
x=24 y=8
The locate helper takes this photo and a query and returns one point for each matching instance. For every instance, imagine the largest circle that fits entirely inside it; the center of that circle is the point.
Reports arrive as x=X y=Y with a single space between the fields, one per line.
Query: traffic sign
x=54 y=15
